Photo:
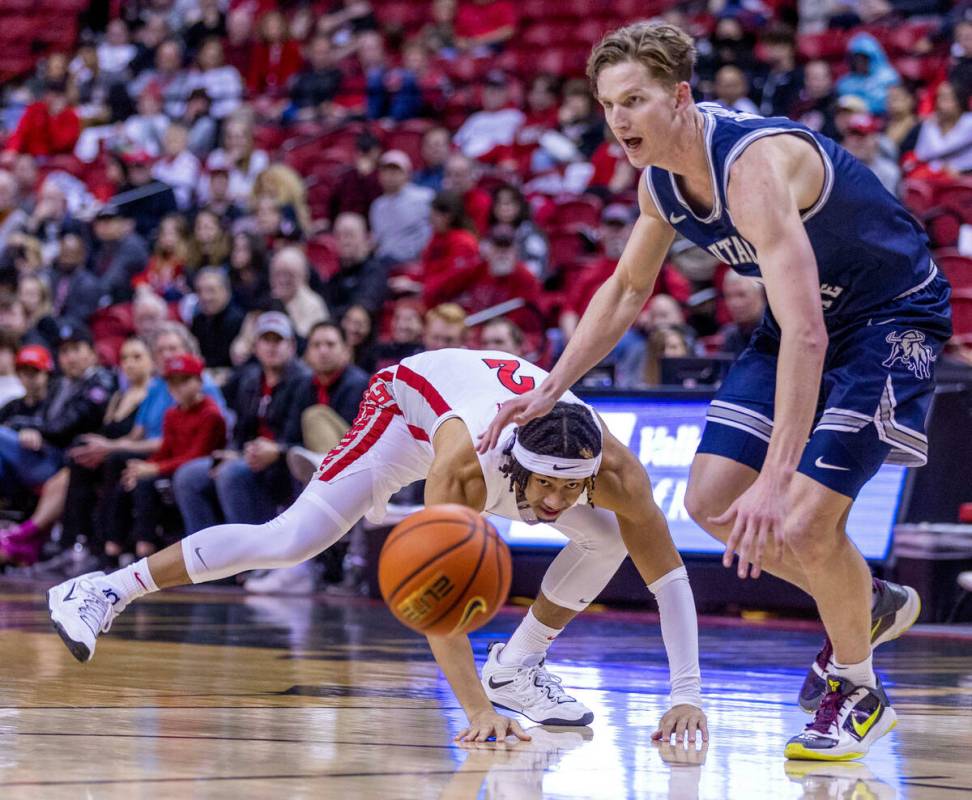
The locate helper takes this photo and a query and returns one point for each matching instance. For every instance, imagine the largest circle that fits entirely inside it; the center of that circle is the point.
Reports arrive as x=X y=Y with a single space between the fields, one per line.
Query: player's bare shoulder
x=770 y=164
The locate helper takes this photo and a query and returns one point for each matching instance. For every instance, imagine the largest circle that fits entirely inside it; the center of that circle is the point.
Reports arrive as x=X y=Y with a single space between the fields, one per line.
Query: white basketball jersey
x=432 y=387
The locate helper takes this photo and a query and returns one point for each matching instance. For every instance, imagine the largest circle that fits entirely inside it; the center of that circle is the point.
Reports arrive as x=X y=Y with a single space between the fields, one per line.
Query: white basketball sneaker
x=80 y=610
x=530 y=690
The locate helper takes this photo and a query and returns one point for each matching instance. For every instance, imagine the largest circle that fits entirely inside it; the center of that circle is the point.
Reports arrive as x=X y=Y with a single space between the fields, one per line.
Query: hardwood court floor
x=210 y=694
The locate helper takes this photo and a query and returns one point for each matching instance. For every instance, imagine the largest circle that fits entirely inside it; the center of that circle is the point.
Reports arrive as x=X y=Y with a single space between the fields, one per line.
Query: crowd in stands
x=219 y=217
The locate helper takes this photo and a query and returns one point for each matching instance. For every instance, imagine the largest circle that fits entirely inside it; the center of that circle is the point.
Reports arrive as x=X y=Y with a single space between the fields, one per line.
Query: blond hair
x=450 y=313
x=665 y=50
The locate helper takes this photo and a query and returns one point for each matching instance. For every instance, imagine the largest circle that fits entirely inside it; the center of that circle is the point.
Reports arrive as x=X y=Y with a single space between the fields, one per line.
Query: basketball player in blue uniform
x=835 y=381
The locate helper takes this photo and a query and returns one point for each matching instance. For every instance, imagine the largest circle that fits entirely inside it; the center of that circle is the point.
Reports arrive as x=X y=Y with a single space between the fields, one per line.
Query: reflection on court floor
x=210 y=694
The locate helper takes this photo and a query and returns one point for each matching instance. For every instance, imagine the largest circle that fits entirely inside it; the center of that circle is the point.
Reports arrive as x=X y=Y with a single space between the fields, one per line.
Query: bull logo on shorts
x=909 y=348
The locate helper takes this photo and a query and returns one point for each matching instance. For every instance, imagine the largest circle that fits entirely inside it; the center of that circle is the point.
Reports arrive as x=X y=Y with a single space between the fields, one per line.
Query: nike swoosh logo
x=494 y=685
x=823 y=465
x=861 y=728
x=559 y=469
x=199 y=556
x=140 y=581
x=672 y=218
x=70 y=594
x=871 y=322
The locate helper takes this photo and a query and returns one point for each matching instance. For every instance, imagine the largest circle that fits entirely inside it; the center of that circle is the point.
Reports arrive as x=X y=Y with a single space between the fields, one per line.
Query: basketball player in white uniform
x=419 y=420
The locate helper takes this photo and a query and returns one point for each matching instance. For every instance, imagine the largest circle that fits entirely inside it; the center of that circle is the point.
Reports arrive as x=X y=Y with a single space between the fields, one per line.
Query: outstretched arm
x=622 y=486
x=456 y=477
x=612 y=310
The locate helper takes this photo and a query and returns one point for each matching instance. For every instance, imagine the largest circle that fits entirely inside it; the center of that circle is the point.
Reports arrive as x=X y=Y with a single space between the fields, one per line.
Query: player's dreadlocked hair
x=568 y=431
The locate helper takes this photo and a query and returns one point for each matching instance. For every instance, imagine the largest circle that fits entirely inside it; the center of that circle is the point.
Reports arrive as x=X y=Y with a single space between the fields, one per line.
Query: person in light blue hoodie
x=871 y=74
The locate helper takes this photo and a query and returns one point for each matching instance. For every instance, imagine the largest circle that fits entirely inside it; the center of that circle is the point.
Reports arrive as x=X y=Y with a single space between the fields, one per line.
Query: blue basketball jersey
x=869 y=249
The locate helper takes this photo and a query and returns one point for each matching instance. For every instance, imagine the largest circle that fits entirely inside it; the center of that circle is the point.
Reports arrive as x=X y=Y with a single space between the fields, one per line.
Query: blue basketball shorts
x=878 y=381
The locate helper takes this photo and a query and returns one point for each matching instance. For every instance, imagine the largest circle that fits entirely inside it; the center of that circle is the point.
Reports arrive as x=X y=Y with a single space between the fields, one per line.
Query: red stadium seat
x=919 y=196
x=962 y=319
x=323 y=255
x=958 y=270
x=829 y=45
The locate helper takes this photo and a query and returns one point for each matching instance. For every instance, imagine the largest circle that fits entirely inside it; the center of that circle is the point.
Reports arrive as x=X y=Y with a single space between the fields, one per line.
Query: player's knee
x=699 y=505
x=810 y=542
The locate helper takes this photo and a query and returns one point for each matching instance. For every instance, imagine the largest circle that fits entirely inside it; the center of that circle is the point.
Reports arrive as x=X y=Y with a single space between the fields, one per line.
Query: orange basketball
x=444 y=570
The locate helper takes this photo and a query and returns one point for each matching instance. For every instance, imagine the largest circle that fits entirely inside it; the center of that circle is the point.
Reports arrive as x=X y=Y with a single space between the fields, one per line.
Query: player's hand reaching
x=518 y=411
x=488 y=723
x=757 y=525
x=683 y=720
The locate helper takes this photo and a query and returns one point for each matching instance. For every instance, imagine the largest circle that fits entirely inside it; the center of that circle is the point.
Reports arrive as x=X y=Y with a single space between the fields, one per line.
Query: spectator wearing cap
x=399 y=219
x=217 y=320
x=289 y=276
x=33 y=366
x=617 y=221
x=361 y=278
x=146 y=199
x=316 y=86
x=358 y=188
x=781 y=86
x=30 y=454
x=453 y=249
x=861 y=140
x=75 y=292
x=178 y=166
x=249 y=481
x=497 y=277
x=10 y=386
x=192 y=429
x=48 y=127
x=945 y=139
x=870 y=72
x=461 y=175
x=119 y=255
x=496 y=125
x=484 y=26
x=436 y=144
x=746 y=303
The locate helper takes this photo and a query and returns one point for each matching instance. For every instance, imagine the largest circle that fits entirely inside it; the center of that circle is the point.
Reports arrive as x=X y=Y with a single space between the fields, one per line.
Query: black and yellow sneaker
x=895 y=609
x=847 y=722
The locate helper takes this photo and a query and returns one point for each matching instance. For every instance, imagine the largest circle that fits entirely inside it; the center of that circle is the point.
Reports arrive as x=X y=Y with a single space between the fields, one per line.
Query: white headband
x=555 y=467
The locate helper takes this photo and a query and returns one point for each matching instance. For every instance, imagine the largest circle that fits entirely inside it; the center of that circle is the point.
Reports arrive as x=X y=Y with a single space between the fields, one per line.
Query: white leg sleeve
x=592 y=556
x=320 y=516
x=680 y=632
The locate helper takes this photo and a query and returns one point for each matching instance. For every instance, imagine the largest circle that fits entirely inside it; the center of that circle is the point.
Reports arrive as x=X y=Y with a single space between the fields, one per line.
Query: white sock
x=860 y=674
x=531 y=638
x=128 y=584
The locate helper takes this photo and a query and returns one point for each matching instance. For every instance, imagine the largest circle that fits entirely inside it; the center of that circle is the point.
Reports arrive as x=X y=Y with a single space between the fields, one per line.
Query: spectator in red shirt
x=275 y=59
x=164 y=273
x=485 y=25
x=460 y=177
x=453 y=248
x=192 y=428
x=497 y=277
x=48 y=127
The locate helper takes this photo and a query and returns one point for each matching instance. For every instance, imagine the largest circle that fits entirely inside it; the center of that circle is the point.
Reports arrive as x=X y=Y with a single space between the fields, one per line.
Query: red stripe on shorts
x=424 y=388
x=372 y=431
